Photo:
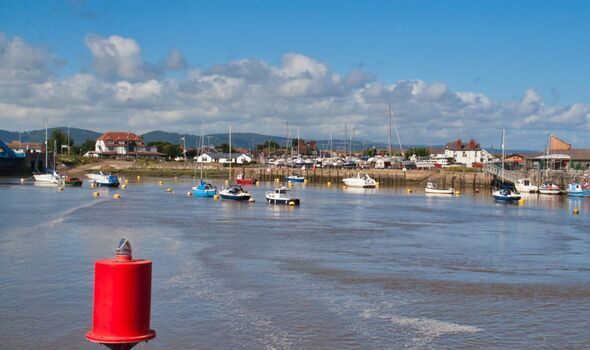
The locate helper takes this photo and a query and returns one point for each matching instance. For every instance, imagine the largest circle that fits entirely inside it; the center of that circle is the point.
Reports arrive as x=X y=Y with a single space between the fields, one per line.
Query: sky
x=449 y=69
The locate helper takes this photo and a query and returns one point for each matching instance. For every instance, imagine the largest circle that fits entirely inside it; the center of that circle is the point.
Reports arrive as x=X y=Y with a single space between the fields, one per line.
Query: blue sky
x=500 y=49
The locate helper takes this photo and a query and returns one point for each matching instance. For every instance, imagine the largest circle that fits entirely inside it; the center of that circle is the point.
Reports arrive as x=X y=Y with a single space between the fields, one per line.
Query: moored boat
x=525 y=185
x=281 y=196
x=234 y=192
x=360 y=180
x=50 y=177
x=432 y=188
x=506 y=194
x=577 y=190
x=295 y=178
x=101 y=179
x=549 y=188
x=204 y=189
x=72 y=181
x=241 y=180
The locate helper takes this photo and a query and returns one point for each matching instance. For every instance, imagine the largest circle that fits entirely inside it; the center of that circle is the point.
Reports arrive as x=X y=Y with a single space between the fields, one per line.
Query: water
x=349 y=269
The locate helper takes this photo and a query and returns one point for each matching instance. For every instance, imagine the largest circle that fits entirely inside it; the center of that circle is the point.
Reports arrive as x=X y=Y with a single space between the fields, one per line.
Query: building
x=559 y=156
x=244 y=158
x=469 y=154
x=26 y=147
x=123 y=145
x=215 y=157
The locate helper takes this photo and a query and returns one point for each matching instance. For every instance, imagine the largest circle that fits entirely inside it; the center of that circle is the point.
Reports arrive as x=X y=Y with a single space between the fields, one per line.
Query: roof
x=29 y=145
x=219 y=155
x=119 y=136
x=573 y=154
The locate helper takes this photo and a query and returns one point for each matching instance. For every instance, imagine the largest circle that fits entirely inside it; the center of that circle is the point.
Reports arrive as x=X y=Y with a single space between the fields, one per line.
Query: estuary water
x=348 y=269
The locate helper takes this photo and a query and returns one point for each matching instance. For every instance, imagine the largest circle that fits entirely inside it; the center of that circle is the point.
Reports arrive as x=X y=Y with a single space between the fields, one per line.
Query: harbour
x=348 y=268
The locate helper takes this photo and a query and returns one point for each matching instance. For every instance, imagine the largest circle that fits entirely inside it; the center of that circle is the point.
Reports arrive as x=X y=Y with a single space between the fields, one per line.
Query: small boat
x=101 y=179
x=51 y=177
x=431 y=188
x=241 y=180
x=295 y=178
x=524 y=185
x=577 y=190
x=72 y=181
x=549 y=188
x=361 y=180
x=234 y=192
x=281 y=196
x=506 y=194
x=204 y=189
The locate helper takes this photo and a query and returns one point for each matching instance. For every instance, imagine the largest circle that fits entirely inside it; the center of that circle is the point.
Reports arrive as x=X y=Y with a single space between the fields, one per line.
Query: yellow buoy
x=123 y=186
x=292 y=203
x=521 y=201
x=60 y=188
x=376 y=184
x=344 y=187
x=215 y=197
x=126 y=181
x=189 y=194
x=161 y=183
x=290 y=184
x=138 y=177
x=175 y=178
x=477 y=190
x=457 y=193
x=304 y=181
x=258 y=183
x=277 y=180
x=251 y=200
x=169 y=189
x=576 y=211
x=329 y=183
x=409 y=190
x=117 y=196
x=226 y=182
x=95 y=194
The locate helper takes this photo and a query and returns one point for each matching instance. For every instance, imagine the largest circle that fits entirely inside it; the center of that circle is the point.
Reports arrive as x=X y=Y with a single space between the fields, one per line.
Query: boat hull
x=448 y=191
x=246 y=181
x=585 y=193
x=283 y=201
x=553 y=192
x=73 y=183
x=235 y=197
x=506 y=198
x=354 y=182
x=204 y=193
x=294 y=179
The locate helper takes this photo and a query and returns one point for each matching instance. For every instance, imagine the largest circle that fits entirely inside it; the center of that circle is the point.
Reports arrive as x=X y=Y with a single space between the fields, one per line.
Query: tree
x=418 y=151
x=270 y=143
x=225 y=148
x=57 y=139
x=370 y=152
x=167 y=148
x=86 y=146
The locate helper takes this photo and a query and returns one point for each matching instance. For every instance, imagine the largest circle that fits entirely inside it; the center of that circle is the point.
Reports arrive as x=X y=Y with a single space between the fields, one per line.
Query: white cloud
x=127 y=93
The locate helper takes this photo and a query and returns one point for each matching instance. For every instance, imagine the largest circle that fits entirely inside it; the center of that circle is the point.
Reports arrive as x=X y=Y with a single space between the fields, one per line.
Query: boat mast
x=46 y=146
x=298 y=151
x=389 y=132
x=397 y=134
x=230 y=159
x=502 y=177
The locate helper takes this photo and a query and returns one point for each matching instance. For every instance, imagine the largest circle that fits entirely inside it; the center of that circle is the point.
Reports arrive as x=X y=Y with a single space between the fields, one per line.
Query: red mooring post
x=122 y=300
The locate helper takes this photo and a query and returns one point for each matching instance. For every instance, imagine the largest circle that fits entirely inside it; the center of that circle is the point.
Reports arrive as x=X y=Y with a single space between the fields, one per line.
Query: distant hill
x=78 y=135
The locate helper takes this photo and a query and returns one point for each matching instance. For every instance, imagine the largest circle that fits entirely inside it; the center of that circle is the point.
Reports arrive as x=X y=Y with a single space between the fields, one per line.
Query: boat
x=50 y=177
x=525 y=185
x=360 y=180
x=431 y=188
x=295 y=178
x=235 y=192
x=281 y=196
x=577 y=190
x=506 y=192
x=101 y=179
x=241 y=180
x=204 y=188
x=549 y=188
x=72 y=181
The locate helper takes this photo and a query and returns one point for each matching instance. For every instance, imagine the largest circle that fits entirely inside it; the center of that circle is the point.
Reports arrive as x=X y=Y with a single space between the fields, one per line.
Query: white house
x=244 y=158
x=469 y=154
x=122 y=145
x=215 y=157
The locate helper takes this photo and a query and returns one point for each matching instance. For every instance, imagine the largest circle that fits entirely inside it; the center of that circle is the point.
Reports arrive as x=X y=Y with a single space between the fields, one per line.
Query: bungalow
x=215 y=157
x=244 y=158
x=115 y=144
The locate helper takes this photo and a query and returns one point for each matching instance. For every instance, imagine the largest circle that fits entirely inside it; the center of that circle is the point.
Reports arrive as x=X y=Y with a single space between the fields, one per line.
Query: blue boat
x=506 y=194
x=204 y=189
x=295 y=178
x=103 y=180
x=576 y=190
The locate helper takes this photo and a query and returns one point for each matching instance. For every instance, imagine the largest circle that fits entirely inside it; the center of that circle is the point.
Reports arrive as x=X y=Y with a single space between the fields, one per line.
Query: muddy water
x=349 y=269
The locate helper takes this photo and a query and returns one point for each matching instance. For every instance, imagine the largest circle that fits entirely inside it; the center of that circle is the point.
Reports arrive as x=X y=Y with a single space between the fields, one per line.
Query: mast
x=68 y=140
x=230 y=159
x=397 y=134
x=202 y=145
x=54 y=149
x=46 y=146
x=502 y=177
x=389 y=131
x=345 y=137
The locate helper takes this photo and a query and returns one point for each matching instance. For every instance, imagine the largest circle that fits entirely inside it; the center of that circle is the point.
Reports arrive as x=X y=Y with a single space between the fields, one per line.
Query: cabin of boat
x=281 y=196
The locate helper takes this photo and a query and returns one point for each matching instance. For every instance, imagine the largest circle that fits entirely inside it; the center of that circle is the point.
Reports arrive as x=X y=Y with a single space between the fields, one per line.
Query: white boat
x=525 y=185
x=49 y=178
x=281 y=196
x=101 y=179
x=361 y=180
x=235 y=193
x=505 y=193
x=549 y=188
x=431 y=188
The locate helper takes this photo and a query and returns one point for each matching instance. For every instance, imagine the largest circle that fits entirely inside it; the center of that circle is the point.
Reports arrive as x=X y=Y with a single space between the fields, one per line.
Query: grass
x=165 y=172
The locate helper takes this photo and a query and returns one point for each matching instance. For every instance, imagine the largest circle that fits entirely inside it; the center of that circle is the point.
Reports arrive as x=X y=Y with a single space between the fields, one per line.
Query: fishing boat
x=506 y=192
x=281 y=196
x=295 y=178
x=432 y=188
x=241 y=180
x=549 y=188
x=360 y=180
x=104 y=180
x=235 y=192
x=525 y=185
x=577 y=190
x=72 y=181
x=204 y=188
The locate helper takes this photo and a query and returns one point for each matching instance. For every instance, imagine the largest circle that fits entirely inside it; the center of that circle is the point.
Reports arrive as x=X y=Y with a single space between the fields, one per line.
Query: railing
x=509 y=175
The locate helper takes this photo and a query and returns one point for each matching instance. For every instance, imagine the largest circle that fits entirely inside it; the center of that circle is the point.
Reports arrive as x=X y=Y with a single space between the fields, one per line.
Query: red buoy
x=122 y=300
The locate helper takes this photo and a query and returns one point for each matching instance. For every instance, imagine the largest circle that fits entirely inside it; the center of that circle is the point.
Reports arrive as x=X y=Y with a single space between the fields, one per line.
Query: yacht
x=549 y=188
x=235 y=192
x=361 y=180
x=525 y=185
x=432 y=188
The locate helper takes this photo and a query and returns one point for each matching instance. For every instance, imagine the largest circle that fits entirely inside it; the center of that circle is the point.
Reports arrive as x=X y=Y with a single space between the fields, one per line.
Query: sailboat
x=203 y=189
x=505 y=193
x=51 y=177
x=233 y=192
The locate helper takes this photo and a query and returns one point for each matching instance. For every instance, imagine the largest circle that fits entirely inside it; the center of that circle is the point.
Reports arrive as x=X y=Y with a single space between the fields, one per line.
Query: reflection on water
x=348 y=269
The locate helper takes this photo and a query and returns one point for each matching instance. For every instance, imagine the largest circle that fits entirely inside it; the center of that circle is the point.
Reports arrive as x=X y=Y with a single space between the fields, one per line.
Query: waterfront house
x=123 y=145
x=469 y=154
x=27 y=147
